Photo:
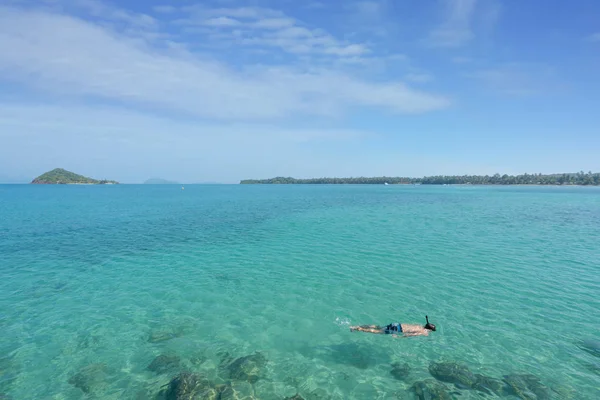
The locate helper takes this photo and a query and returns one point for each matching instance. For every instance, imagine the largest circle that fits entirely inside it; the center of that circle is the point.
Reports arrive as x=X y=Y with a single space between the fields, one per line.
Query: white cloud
x=221 y=22
x=350 y=50
x=455 y=30
x=274 y=23
x=67 y=55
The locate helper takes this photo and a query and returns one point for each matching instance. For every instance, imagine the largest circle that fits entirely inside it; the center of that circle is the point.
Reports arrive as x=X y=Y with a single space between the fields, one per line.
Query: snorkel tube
x=429 y=326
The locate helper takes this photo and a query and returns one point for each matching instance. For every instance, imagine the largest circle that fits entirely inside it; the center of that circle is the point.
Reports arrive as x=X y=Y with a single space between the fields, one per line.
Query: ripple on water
x=99 y=284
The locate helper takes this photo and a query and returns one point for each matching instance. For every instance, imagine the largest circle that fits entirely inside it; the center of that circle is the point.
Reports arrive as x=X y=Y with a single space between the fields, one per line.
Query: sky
x=224 y=90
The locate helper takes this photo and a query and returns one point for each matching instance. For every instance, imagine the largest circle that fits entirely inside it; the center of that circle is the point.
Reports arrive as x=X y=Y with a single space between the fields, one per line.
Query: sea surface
x=97 y=281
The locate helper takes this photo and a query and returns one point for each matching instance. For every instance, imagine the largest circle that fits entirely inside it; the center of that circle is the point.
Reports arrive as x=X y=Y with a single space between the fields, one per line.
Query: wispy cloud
x=99 y=9
x=266 y=28
x=72 y=56
x=455 y=30
x=419 y=77
x=165 y=9
x=221 y=22
x=370 y=18
x=112 y=123
x=315 y=5
x=53 y=132
x=595 y=37
x=368 y=9
x=519 y=79
x=274 y=23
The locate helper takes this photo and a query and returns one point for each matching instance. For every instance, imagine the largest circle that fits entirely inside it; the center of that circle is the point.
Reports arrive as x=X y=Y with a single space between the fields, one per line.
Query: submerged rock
x=164 y=363
x=565 y=392
x=162 y=336
x=212 y=393
x=452 y=372
x=188 y=386
x=318 y=394
x=248 y=368
x=357 y=355
x=400 y=371
x=590 y=346
x=198 y=359
x=89 y=378
x=88 y=340
x=237 y=391
x=294 y=397
x=490 y=385
x=430 y=389
x=527 y=387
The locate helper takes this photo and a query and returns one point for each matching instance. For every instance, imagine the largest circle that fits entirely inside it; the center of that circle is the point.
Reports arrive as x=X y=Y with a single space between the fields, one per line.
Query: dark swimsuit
x=393 y=328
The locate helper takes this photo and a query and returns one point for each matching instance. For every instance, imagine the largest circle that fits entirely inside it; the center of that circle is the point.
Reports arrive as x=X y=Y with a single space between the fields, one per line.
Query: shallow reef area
x=246 y=377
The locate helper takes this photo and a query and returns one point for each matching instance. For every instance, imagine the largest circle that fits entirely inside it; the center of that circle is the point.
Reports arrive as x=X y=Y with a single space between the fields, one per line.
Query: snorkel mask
x=429 y=326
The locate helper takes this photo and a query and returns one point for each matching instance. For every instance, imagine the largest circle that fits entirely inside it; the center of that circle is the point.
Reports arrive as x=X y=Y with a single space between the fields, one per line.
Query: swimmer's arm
x=409 y=334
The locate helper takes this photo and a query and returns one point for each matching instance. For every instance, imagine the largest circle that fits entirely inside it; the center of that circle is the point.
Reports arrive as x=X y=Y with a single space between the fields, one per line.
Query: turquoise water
x=510 y=275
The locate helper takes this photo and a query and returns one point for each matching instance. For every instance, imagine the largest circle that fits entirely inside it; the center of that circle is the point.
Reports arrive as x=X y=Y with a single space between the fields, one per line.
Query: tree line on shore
x=579 y=178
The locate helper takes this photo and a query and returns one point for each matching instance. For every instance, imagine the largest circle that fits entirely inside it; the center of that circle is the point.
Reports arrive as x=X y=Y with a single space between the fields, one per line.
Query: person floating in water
x=396 y=329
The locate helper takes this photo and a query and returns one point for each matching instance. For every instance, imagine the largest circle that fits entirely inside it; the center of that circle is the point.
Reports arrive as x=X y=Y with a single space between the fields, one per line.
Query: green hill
x=61 y=176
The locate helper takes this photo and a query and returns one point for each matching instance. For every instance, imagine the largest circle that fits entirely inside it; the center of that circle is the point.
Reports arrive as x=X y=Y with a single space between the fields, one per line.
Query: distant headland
x=59 y=176
x=159 y=181
x=579 y=178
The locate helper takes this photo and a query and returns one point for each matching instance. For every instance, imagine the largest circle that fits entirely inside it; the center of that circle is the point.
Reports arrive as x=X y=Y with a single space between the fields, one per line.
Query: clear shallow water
x=510 y=275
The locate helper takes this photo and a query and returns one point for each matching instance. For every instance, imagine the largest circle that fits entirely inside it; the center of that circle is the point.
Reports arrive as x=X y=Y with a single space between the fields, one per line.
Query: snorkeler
x=396 y=329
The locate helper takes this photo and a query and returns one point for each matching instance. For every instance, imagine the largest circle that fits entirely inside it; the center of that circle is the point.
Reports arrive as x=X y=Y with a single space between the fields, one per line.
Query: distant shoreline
x=292 y=184
x=563 y=179
x=423 y=184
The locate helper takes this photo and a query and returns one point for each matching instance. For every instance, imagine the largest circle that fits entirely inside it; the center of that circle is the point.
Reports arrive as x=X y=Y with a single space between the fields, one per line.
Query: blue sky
x=224 y=90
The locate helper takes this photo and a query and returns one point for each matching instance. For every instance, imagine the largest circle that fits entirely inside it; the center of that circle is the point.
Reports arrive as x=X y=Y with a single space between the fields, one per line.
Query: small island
x=579 y=178
x=59 y=176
